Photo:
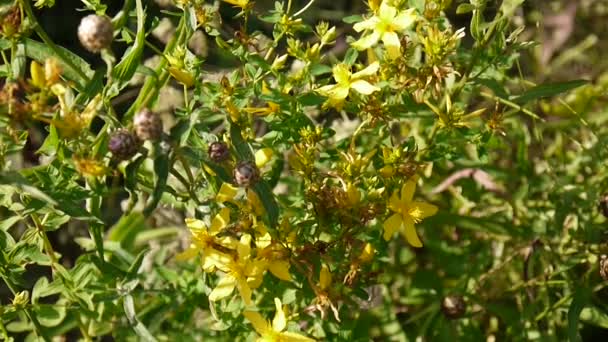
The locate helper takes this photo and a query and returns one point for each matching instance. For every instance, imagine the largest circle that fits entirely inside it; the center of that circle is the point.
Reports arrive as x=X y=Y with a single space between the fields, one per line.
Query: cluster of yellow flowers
x=237 y=244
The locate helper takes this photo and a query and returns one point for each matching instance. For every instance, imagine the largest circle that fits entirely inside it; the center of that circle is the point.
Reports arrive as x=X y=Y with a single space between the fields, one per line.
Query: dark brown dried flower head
x=148 y=125
x=218 y=151
x=123 y=144
x=603 y=205
x=246 y=173
x=453 y=307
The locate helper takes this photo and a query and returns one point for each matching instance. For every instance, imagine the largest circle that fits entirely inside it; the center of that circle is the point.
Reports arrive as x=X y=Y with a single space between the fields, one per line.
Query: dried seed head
x=453 y=307
x=123 y=144
x=604 y=266
x=11 y=22
x=246 y=174
x=148 y=125
x=603 y=205
x=95 y=32
x=218 y=151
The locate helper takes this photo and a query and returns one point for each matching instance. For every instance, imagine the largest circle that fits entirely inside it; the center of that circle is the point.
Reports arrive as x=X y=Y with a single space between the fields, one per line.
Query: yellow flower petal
x=424 y=209
x=227 y=193
x=364 y=87
x=366 y=24
x=370 y=70
x=395 y=203
x=324 y=277
x=187 y=254
x=280 y=269
x=279 y=321
x=341 y=73
x=407 y=191
x=289 y=336
x=405 y=19
x=220 y=221
x=387 y=12
x=181 y=76
x=391 y=225
x=392 y=44
x=224 y=288
x=259 y=323
x=409 y=232
x=339 y=92
x=37 y=72
x=244 y=291
x=244 y=247
x=368 y=253
x=367 y=41
x=263 y=156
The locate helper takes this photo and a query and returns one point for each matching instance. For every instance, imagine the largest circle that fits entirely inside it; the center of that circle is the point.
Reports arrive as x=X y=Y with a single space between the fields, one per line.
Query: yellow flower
x=384 y=25
x=205 y=241
x=90 y=167
x=407 y=214
x=274 y=255
x=241 y=271
x=345 y=80
x=238 y=3
x=274 y=332
x=227 y=193
x=263 y=156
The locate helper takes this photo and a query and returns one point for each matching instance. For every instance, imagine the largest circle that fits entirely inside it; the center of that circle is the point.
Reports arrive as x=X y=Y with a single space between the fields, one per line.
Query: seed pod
x=218 y=151
x=148 y=125
x=246 y=174
x=11 y=22
x=453 y=307
x=603 y=205
x=604 y=266
x=123 y=144
x=95 y=32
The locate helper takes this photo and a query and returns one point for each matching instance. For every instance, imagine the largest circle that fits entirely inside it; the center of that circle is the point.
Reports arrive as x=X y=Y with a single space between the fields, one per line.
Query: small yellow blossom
x=274 y=255
x=274 y=332
x=227 y=193
x=89 y=167
x=263 y=156
x=407 y=213
x=323 y=301
x=345 y=80
x=384 y=25
x=241 y=272
x=207 y=243
x=368 y=253
x=239 y=3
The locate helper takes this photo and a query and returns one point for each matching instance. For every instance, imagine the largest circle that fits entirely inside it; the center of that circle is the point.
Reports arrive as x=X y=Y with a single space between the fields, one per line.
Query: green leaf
x=580 y=300
x=126 y=229
x=131 y=60
x=263 y=190
x=40 y=52
x=161 y=170
x=242 y=148
x=548 y=90
x=464 y=8
x=594 y=316
x=50 y=315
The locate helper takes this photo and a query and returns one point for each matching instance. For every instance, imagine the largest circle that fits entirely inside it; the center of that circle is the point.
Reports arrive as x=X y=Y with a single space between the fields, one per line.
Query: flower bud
x=453 y=307
x=246 y=174
x=95 y=33
x=148 y=125
x=218 y=151
x=21 y=299
x=11 y=22
x=123 y=144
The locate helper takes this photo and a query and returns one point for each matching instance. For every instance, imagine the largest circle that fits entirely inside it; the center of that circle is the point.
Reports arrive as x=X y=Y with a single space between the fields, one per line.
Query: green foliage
x=280 y=201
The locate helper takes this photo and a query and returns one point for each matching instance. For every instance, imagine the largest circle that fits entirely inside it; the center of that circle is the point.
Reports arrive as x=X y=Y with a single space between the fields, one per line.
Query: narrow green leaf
x=131 y=60
x=580 y=300
x=548 y=90
x=161 y=169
